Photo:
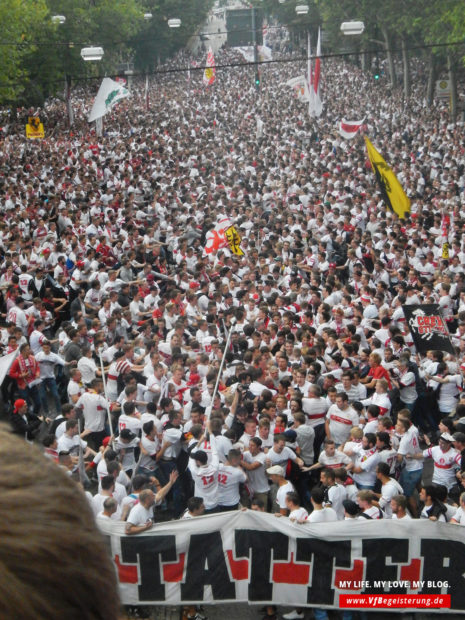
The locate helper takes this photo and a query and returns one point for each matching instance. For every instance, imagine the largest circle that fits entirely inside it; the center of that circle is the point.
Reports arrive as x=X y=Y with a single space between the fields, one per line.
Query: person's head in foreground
x=53 y=561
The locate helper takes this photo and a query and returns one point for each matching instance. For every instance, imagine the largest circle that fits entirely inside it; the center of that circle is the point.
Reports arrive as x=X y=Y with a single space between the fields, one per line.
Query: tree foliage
x=36 y=54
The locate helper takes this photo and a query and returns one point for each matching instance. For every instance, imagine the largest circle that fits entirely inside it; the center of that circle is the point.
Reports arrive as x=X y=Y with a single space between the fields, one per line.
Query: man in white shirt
x=205 y=475
x=276 y=474
x=320 y=513
x=280 y=453
x=399 y=507
x=70 y=441
x=94 y=407
x=335 y=494
x=140 y=517
x=253 y=461
x=408 y=448
x=340 y=419
x=389 y=489
x=230 y=476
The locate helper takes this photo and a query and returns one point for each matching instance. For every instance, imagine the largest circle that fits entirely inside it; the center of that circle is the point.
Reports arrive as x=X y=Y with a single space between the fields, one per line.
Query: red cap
x=194 y=285
x=106 y=441
x=80 y=263
x=18 y=404
x=46 y=251
x=193 y=379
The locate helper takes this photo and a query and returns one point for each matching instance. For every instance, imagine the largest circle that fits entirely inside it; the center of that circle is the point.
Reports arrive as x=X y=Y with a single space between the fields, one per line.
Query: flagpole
x=105 y=393
x=223 y=359
x=309 y=73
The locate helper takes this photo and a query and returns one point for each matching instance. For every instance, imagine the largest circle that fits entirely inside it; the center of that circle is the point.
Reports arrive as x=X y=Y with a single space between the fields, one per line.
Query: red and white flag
x=315 y=105
x=209 y=73
x=349 y=129
x=216 y=238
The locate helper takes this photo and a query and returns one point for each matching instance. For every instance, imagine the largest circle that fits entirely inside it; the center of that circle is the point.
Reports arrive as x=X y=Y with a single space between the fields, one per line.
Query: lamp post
x=352 y=28
x=92 y=53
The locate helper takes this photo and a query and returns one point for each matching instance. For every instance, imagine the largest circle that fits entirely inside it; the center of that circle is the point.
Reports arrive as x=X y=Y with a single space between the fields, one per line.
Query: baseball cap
x=459 y=437
x=290 y=435
x=276 y=470
x=18 y=404
x=446 y=437
x=127 y=434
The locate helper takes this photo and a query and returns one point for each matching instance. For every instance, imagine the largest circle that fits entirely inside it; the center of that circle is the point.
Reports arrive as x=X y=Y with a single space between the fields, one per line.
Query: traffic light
x=257 y=80
x=376 y=76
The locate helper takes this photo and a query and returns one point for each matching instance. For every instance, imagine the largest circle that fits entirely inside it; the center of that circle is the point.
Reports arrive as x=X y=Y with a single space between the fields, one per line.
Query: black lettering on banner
x=146 y=551
x=322 y=555
x=261 y=545
x=443 y=561
x=207 y=549
x=376 y=551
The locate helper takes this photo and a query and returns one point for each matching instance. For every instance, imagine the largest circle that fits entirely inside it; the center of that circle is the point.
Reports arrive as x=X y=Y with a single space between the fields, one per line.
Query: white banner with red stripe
x=253 y=557
x=349 y=129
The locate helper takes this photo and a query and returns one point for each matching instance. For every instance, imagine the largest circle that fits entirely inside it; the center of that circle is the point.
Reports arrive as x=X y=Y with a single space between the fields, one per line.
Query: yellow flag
x=234 y=241
x=391 y=190
x=445 y=250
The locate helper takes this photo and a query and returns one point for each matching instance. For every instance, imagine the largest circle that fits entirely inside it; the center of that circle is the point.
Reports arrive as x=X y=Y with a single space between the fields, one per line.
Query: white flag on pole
x=315 y=104
x=300 y=86
x=109 y=93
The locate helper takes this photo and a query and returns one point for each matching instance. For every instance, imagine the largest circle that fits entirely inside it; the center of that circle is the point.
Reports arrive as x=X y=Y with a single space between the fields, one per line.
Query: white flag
x=315 y=104
x=5 y=363
x=109 y=93
x=349 y=129
x=300 y=87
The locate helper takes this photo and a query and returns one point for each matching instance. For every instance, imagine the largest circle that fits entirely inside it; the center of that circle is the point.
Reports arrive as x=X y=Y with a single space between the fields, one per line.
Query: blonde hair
x=356 y=432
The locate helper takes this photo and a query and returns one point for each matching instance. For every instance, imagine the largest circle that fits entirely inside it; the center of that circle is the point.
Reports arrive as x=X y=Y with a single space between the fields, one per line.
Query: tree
x=20 y=20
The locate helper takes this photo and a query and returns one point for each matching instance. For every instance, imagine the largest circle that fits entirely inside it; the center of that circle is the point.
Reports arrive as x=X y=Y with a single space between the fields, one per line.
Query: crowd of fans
x=323 y=409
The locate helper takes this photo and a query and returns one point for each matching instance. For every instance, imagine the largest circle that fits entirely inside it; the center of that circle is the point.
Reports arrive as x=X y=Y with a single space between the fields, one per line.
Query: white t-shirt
x=322 y=516
x=282 y=458
x=281 y=494
x=258 y=479
x=445 y=465
x=340 y=422
x=229 y=479
x=336 y=495
x=140 y=515
x=298 y=514
x=459 y=516
x=388 y=491
x=338 y=460
x=409 y=444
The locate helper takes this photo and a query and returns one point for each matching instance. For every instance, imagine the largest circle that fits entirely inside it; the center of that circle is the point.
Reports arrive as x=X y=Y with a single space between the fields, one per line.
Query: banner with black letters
x=254 y=557
x=428 y=328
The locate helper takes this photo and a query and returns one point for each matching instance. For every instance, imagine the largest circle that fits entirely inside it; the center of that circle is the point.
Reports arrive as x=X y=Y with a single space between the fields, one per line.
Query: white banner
x=300 y=86
x=5 y=364
x=109 y=93
x=248 y=556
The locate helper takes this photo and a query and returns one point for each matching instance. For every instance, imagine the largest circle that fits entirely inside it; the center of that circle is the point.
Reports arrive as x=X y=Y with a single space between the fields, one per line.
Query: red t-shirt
x=380 y=373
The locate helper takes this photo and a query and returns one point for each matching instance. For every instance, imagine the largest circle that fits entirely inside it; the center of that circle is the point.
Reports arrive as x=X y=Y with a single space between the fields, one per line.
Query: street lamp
x=147 y=16
x=174 y=23
x=58 y=19
x=352 y=28
x=92 y=53
x=302 y=9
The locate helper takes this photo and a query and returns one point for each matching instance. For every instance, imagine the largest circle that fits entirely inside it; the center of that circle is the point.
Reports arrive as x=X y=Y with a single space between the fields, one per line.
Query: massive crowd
x=323 y=409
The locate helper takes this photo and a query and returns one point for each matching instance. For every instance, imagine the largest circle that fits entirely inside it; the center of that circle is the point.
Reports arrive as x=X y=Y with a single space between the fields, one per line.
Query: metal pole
x=255 y=50
x=228 y=340
x=106 y=397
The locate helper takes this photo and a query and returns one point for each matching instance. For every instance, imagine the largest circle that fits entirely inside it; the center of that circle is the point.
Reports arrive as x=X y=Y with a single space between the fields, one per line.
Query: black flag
x=428 y=328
